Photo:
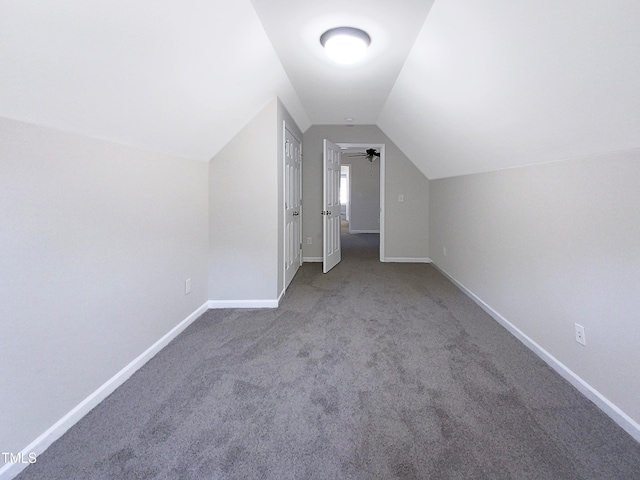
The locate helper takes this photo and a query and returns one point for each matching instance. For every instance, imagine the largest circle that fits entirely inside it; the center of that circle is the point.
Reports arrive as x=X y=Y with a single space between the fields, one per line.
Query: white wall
x=243 y=214
x=405 y=223
x=548 y=246
x=97 y=240
x=246 y=248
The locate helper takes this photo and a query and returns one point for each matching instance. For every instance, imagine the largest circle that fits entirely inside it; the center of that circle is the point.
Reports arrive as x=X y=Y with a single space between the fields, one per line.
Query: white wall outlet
x=401 y=198
x=580 y=338
x=187 y=286
x=309 y=241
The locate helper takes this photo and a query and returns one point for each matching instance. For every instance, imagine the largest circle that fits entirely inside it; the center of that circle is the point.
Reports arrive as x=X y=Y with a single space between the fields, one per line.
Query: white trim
x=284 y=199
x=53 y=433
x=217 y=304
x=355 y=232
x=312 y=259
x=286 y=129
x=603 y=403
x=282 y=293
x=383 y=182
x=407 y=260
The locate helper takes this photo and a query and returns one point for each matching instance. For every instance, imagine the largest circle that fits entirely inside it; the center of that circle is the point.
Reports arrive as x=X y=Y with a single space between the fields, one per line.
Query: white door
x=331 y=206
x=292 y=206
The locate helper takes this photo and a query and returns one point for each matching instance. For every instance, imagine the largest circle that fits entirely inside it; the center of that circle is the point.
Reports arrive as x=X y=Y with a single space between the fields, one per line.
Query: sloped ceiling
x=497 y=84
x=181 y=77
x=342 y=94
x=461 y=86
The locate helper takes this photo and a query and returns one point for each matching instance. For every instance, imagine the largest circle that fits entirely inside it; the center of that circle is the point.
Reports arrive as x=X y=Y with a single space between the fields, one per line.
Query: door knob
x=295 y=214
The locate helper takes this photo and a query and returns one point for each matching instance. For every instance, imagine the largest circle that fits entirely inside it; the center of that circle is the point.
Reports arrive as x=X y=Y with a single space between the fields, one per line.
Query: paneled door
x=292 y=206
x=331 y=252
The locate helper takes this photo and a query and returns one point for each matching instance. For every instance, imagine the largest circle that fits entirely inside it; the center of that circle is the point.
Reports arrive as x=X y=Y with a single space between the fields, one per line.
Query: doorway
x=363 y=203
x=345 y=192
x=292 y=149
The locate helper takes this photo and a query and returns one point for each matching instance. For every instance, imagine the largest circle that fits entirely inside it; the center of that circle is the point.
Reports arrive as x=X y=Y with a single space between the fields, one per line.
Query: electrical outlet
x=309 y=240
x=187 y=286
x=580 y=338
x=401 y=198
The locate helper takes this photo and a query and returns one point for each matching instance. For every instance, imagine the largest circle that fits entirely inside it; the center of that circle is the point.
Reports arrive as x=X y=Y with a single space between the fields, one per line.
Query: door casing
x=292 y=159
x=381 y=148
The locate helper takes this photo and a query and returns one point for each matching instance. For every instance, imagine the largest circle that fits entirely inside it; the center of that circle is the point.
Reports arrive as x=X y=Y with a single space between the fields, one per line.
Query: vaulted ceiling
x=461 y=86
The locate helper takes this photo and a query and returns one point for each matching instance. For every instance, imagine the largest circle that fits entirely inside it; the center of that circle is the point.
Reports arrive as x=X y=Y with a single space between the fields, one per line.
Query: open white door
x=292 y=206
x=331 y=206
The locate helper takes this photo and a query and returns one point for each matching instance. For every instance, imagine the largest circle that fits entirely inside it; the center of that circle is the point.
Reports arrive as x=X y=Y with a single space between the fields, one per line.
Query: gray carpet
x=372 y=371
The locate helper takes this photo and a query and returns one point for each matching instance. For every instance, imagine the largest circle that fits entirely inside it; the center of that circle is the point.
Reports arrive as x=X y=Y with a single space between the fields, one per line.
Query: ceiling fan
x=370 y=154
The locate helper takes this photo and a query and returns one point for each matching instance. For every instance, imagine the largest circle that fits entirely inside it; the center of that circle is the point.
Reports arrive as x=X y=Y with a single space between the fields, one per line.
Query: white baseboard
x=280 y=297
x=312 y=259
x=407 y=260
x=216 y=304
x=40 y=444
x=603 y=403
x=363 y=231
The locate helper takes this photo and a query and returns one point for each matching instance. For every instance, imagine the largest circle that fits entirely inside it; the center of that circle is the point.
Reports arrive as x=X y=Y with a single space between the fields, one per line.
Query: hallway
x=373 y=370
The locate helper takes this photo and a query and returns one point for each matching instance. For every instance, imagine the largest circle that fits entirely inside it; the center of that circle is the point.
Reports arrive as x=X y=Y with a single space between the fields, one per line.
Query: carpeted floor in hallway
x=372 y=371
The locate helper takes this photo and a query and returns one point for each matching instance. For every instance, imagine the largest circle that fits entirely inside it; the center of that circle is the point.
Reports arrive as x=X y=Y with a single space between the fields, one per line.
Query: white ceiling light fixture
x=345 y=45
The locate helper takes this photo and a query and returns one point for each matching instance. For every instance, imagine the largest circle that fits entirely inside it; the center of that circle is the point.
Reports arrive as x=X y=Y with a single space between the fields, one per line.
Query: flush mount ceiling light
x=345 y=44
